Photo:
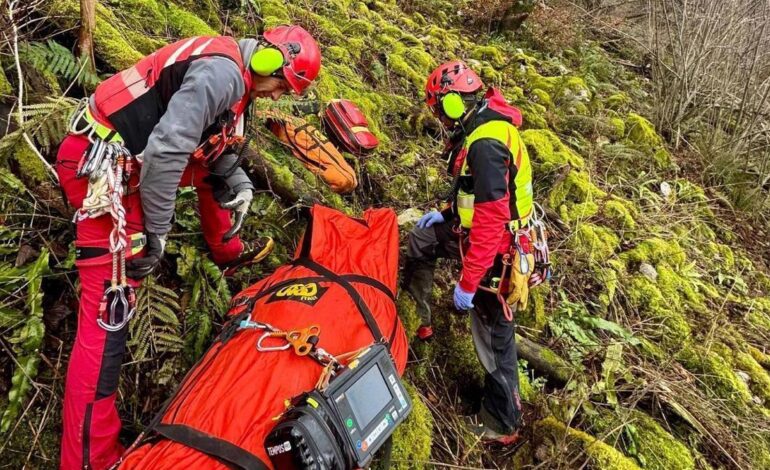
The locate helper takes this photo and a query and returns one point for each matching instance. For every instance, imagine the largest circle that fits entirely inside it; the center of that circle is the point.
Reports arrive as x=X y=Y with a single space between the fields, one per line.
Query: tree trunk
x=86 y=34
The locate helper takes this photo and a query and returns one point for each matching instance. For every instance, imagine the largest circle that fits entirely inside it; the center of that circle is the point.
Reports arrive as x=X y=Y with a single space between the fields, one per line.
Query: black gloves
x=139 y=268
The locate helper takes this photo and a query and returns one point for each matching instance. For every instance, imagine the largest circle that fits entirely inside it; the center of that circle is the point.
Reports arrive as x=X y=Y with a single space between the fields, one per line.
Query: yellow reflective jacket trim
x=101 y=131
x=508 y=135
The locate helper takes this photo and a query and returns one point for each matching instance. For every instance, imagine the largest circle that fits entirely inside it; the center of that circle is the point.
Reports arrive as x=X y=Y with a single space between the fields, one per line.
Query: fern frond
x=45 y=122
x=54 y=58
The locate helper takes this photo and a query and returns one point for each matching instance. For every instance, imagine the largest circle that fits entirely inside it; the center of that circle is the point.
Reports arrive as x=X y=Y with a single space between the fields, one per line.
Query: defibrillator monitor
x=370 y=400
x=343 y=426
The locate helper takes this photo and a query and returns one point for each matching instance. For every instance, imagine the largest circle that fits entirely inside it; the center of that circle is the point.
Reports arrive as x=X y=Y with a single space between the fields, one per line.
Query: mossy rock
x=618 y=128
x=620 y=212
x=652 y=446
x=545 y=147
x=30 y=166
x=617 y=101
x=572 y=213
x=576 y=187
x=563 y=442
x=715 y=370
x=594 y=243
x=759 y=377
x=656 y=250
x=186 y=24
x=671 y=327
x=642 y=134
x=412 y=440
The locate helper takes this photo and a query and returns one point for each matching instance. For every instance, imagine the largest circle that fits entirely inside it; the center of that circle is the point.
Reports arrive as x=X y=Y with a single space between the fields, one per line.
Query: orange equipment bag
x=342 y=280
x=314 y=150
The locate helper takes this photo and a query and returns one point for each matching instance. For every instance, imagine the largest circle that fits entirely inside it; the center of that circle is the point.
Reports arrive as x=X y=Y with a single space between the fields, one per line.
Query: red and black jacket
x=133 y=101
x=492 y=176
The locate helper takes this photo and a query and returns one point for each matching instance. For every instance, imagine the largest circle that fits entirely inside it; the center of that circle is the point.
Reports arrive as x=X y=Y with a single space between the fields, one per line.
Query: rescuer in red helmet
x=493 y=195
x=171 y=120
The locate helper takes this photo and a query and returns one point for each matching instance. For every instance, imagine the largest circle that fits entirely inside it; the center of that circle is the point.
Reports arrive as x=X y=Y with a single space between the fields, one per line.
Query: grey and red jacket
x=491 y=180
x=166 y=105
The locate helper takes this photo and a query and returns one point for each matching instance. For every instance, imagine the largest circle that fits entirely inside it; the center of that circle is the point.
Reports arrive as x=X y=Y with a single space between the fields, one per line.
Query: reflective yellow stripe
x=103 y=132
x=359 y=129
x=465 y=208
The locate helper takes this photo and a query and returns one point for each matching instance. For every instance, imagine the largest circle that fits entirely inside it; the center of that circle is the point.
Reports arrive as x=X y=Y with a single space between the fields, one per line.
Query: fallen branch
x=545 y=361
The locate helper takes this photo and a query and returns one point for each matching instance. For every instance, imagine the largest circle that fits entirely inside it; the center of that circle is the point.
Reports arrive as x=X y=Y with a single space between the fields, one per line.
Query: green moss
x=761 y=358
x=619 y=211
x=571 y=213
x=642 y=134
x=545 y=147
x=659 y=449
x=760 y=379
x=526 y=391
x=618 y=127
x=533 y=115
x=30 y=166
x=274 y=13
x=407 y=311
x=716 y=372
x=535 y=316
x=412 y=440
x=489 y=53
x=5 y=85
x=593 y=243
x=650 y=444
x=186 y=24
x=719 y=255
x=609 y=280
x=600 y=455
x=542 y=97
x=617 y=101
x=655 y=250
x=667 y=323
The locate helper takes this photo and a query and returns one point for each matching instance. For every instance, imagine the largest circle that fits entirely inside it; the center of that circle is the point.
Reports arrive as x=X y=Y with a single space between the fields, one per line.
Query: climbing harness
x=108 y=165
x=527 y=264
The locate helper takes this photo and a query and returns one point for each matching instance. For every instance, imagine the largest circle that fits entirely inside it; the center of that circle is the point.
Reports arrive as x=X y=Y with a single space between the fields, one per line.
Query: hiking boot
x=425 y=332
x=486 y=428
x=253 y=252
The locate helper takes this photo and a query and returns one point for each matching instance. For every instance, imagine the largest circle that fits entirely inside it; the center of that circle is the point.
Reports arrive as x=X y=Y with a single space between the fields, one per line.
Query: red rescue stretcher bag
x=342 y=281
x=348 y=128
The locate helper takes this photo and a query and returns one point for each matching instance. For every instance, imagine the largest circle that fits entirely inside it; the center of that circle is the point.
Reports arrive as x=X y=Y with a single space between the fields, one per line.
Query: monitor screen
x=368 y=396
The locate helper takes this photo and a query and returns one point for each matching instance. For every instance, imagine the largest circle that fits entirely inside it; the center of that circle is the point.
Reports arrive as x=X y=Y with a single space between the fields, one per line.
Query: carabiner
x=271 y=334
x=119 y=300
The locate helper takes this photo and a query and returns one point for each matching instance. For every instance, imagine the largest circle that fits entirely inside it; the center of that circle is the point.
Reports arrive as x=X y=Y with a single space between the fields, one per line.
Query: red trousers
x=90 y=420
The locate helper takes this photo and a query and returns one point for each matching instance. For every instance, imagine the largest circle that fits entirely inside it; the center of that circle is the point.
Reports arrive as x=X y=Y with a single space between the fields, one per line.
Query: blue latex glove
x=432 y=217
x=463 y=299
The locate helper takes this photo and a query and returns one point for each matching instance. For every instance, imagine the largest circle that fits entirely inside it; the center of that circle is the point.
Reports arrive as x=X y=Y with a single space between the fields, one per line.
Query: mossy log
x=559 y=442
x=545 y=361
x=280 y=180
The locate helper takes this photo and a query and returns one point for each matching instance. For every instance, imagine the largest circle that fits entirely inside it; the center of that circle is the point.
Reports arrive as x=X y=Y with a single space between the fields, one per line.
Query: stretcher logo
x=306 y=293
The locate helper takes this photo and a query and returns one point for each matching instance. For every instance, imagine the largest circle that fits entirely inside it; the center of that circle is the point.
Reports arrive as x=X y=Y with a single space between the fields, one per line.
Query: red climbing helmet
x=448 y=77
x=301 y=55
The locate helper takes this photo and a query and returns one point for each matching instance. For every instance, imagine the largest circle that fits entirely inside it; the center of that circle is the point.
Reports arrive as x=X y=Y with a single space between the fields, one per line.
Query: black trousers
x=493 y=335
